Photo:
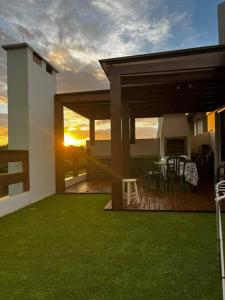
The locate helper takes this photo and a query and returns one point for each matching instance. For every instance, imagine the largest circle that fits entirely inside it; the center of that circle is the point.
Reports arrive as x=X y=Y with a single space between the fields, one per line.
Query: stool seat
x=130 y=190
x=130 y=180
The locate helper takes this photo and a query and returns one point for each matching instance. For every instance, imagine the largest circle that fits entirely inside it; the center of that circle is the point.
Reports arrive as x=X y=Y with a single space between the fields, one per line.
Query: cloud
x=3 y=119
x=3 y=100
x=3 y=136
x=75 y=34
x=3 y=129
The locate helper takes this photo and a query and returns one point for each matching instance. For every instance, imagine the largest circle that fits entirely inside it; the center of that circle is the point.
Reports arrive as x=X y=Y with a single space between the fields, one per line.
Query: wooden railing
x=7 y=156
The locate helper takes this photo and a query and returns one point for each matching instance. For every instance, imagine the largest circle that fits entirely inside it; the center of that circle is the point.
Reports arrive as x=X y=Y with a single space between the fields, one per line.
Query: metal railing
x=220 y=197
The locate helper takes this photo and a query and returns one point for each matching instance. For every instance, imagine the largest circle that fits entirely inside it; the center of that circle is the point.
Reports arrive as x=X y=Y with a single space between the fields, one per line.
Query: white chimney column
x=31 y=90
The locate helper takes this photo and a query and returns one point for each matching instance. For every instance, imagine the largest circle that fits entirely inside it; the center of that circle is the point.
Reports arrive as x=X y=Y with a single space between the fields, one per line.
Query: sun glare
x=69 y=140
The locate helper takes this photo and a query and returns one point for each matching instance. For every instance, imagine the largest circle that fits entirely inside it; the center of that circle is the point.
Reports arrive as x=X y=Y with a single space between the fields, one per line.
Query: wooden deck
x=93 y=186
x=201 y=200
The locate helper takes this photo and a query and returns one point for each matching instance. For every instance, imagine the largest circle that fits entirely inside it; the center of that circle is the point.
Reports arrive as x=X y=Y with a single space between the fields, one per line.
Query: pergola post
x=126 y=138
x=116 y=142
x=120 y=141
x=132 y=130
x=92 y=132
x=59 y=147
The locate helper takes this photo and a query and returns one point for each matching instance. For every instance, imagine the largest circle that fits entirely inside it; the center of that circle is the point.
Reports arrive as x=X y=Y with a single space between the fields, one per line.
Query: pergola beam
x=92 y=132
x=132 y=130
x=82 y=97
x=172 y=77
x=190 y=62
x=59 y=147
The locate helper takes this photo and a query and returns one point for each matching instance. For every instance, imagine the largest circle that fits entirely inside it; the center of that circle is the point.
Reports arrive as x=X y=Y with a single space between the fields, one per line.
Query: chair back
x=220 y=188
x=176 y=165
x=220 y=174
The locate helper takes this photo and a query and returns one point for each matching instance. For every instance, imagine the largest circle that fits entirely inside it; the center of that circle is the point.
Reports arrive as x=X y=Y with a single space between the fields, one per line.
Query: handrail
x=220 y=196
x=7 y=156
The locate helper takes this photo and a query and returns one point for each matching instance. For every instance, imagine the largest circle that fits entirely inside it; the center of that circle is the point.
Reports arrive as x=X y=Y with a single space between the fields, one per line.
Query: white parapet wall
x=73 y=180
x=142 y=147
x=31 y=90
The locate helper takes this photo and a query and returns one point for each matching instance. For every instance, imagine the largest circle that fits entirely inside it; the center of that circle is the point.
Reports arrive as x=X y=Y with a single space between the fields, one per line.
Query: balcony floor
x=200 y=200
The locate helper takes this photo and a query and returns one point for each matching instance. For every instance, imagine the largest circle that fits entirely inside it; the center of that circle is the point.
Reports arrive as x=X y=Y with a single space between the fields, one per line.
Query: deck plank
x=152 y=200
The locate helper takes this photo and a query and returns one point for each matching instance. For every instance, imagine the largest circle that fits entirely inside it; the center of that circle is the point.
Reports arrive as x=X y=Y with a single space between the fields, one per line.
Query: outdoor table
x=190 y=172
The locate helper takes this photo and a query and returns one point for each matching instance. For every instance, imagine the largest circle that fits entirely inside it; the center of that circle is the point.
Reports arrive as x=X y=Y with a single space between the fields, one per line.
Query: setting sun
x=69 y=140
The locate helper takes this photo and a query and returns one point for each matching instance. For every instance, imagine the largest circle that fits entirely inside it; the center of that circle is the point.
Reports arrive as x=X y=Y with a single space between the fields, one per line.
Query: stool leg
x=136 y=192
x=128 y=193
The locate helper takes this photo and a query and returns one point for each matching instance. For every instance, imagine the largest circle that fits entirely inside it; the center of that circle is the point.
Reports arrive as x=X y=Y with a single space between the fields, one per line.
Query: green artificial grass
x=67 y=247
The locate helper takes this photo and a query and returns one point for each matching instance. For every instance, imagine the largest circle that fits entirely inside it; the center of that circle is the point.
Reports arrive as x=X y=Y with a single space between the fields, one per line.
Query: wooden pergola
x=151 y=85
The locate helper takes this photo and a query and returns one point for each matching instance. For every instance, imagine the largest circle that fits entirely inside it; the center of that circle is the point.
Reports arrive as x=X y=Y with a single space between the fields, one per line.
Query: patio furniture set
x=165 y=176
x=175 y=171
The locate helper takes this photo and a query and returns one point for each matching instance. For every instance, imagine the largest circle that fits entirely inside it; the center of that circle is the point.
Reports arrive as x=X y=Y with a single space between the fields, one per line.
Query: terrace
x=91 y=252
x=176 y=87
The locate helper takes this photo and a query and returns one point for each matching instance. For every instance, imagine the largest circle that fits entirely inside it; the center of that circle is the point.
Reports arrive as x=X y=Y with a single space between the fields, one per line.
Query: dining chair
x=164 y=182
x=220 y=174
x=176 y=171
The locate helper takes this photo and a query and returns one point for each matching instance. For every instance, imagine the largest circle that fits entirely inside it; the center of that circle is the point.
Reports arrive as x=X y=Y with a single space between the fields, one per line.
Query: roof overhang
x=143 y=58
x=181 y=81
x=90 y=104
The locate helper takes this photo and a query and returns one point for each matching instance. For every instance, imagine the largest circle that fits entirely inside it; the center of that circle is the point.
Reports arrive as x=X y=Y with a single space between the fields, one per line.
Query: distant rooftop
x=25 y=45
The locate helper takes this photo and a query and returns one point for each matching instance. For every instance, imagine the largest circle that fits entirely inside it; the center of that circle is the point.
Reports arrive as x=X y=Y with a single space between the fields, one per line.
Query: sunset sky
x=74 y=34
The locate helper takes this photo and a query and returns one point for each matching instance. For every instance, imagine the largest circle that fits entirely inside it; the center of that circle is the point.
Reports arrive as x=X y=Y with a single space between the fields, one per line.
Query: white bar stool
x=130 y=190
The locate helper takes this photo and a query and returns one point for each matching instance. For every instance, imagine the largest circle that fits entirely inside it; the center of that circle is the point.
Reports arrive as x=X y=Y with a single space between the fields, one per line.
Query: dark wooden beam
x=91 y=110
x=92 y=132
x=159 y=113
x=202 y=61
x=132 y=130
x=16 y=156
x=116 y=143
x=59 y=147
x=172 y=77
x=125 y=139
x=81 y=97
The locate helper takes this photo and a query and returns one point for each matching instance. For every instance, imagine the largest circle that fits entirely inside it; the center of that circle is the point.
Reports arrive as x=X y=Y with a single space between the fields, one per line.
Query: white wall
x=73 y=180
x=142 y=147
x=41 y=91
x=200 y=139
x=174 y=125
x=31 y=91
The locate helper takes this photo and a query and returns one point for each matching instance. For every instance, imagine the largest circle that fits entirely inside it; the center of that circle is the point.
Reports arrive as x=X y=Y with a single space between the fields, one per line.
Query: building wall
x=206 y=138
x=41 y=91
x=221 y=22
x=142 y=147
x=31 y=91
x=143 y=153
x=18 y=115
x=174 y=125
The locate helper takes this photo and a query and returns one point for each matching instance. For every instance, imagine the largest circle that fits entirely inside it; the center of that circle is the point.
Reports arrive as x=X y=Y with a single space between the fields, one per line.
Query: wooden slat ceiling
x=180 y=97
x=154 y=100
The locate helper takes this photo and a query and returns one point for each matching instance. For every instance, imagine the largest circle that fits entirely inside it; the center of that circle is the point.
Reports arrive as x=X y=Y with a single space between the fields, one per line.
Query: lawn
x=67 y=247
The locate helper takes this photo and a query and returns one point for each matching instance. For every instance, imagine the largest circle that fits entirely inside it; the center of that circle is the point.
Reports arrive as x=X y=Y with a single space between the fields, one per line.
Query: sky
x=74 y=34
